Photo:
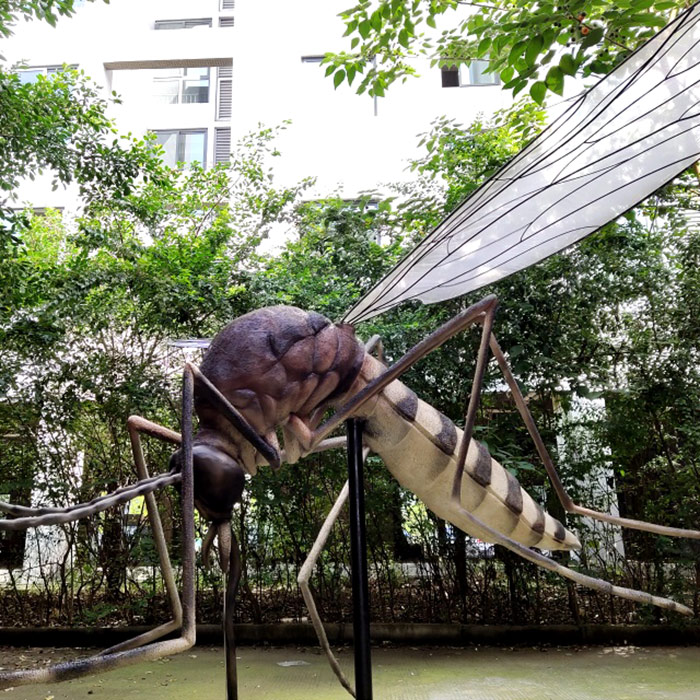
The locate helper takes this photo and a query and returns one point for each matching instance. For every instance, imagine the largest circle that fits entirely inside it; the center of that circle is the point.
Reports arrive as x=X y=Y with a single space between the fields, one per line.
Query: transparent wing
x=613 y=146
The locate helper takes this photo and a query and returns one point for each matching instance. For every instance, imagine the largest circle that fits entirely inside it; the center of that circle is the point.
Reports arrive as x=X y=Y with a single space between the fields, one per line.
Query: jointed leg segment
x=183 y=616
x=303 y=580
x=561 y=492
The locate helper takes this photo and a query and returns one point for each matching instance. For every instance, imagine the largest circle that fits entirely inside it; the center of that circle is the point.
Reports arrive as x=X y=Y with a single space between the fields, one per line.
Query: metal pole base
x=358 y=551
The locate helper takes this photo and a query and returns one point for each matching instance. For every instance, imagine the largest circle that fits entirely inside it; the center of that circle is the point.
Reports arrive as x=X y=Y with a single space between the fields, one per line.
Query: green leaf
x=592 y=38
x=519 y=86
x=568 y=64
x=338 y=78
x=516 y=51
x=537 y=91
x=483 y=47
x=354 y=42
x=547 y=57
x=534 y=46
x=506 y=75
x=403 y=38
x=555 y=80
x=364 y=28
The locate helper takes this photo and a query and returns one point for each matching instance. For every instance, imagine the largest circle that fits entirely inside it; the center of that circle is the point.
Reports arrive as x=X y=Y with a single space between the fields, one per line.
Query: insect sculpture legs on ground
x=143 y=647
x=283 y=367
x=194 y=486
x=482 y=313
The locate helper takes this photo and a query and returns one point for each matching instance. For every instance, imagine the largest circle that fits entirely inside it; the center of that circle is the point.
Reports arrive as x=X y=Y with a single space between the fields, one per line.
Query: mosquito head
x=218 y=480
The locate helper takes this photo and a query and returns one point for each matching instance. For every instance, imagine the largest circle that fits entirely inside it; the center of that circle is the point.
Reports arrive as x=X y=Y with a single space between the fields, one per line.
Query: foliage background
x=88 y=307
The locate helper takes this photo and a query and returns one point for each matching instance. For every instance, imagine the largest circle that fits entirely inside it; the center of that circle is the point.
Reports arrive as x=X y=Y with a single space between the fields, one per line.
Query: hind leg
x=544 y=455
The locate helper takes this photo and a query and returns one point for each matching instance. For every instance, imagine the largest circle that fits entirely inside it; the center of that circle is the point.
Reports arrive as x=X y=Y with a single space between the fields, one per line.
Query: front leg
x=154 y=650
x=135 y=426
x=305 y=576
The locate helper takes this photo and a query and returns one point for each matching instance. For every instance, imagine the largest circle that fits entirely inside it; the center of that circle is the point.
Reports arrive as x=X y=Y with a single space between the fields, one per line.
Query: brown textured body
x=273 y=363
x=282 y=363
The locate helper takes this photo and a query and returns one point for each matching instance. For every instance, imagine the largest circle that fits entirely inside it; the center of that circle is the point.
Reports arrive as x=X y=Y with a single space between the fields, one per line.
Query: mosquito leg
x=189 y=630
x=583 y=580
x=544 y=455
x=207 y=544
x=375 y=345
x=83 y=510
x=232 y=580
x=474 y=396
x=154 y=650
x=136 y=425
x=303 y=580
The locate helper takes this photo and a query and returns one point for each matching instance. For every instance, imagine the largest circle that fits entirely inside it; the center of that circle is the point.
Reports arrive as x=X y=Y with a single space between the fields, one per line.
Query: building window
x=468 y=75
x=224 y=94
x=316 y=58
x=184 y=146
x=182 y=23
x=30 y=75
x=181 y=85
x=222 y=144
x=226 y=21
x=227 y=4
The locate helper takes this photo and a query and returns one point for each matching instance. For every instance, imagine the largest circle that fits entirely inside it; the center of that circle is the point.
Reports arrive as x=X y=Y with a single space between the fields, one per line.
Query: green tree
x=85 y=334
x=47 y=10
x=528 y=44
x=59 y=124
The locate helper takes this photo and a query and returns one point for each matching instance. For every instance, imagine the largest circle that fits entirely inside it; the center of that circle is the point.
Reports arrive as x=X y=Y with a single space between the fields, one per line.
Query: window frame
x=46 y=70
x=180 y=145
x=173 y=24
x=181 y=79
x=464 y=76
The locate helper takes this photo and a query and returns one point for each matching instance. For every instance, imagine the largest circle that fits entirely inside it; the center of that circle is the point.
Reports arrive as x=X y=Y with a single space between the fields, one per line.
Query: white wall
x=334 y=135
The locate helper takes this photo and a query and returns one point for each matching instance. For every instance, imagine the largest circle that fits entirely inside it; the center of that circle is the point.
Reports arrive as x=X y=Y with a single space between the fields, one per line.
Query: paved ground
x=596 y=673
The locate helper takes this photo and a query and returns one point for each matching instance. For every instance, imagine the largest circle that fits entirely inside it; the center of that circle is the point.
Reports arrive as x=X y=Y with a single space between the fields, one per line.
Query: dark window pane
x=450 y=77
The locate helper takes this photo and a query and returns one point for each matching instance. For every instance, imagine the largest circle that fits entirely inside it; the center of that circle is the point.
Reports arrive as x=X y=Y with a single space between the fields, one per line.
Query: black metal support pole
x=232 y=579
x=358 y=551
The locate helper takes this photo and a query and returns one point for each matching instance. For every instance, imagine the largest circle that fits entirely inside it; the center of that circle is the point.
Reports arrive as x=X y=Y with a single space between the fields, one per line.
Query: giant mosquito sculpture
x=284 y=367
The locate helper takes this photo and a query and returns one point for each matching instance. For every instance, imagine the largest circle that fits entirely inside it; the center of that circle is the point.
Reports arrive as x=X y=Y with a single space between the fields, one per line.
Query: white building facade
x=202 y=73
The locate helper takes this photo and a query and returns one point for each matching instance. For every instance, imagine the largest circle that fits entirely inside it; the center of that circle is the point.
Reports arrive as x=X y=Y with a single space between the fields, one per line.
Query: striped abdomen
x=420 y=446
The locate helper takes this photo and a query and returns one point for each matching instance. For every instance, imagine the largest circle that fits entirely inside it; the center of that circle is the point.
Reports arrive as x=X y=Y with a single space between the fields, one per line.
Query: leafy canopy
x=47 y=10
x=531 y=45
